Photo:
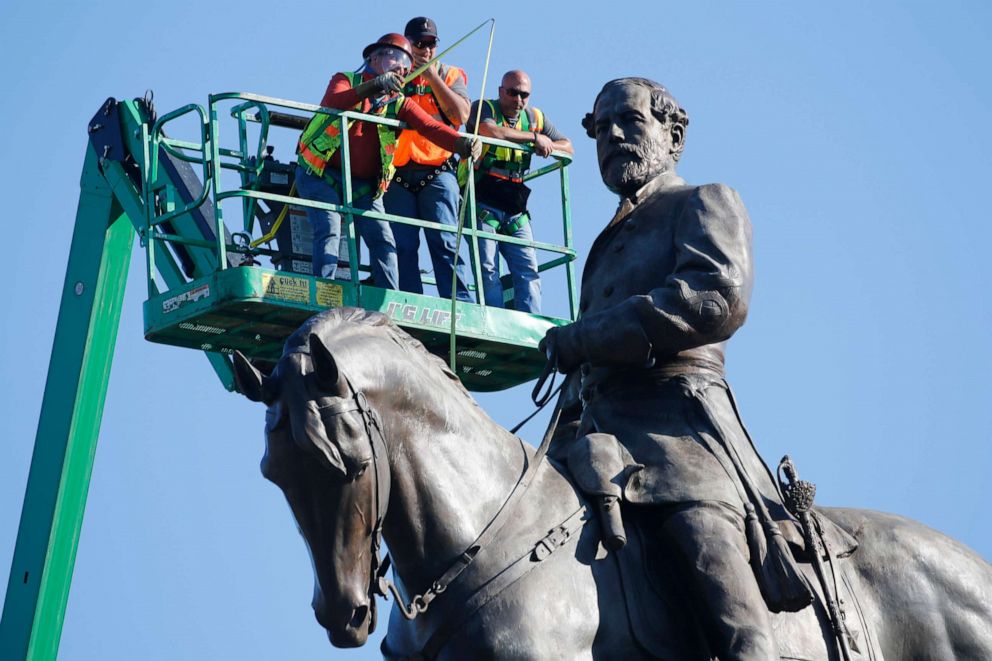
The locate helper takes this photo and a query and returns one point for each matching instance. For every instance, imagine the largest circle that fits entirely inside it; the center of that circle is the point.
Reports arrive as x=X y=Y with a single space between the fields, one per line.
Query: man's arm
x=544 y=141
x=440 y=134
x=557 y=139
x=703 y=301
x=340 y=95
x=453 y=99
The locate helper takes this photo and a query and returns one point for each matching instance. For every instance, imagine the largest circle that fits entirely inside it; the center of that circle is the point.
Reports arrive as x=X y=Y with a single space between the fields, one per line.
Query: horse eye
x=361 y=471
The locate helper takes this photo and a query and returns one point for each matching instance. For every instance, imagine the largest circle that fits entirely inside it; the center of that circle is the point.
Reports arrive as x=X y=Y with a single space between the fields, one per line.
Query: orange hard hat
x=391 y=40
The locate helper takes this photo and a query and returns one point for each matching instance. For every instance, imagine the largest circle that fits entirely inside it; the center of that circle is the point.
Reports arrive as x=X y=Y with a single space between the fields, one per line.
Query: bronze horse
x=367 y=432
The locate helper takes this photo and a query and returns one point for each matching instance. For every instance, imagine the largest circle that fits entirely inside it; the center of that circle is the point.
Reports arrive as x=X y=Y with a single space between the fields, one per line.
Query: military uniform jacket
x=662 y=291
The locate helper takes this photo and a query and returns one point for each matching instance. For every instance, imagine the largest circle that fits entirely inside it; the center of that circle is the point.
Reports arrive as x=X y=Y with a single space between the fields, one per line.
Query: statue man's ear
x=678 y=137
x=326 y=368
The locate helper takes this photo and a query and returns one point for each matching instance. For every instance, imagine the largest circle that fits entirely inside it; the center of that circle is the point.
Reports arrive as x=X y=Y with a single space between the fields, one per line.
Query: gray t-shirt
x=487 y=116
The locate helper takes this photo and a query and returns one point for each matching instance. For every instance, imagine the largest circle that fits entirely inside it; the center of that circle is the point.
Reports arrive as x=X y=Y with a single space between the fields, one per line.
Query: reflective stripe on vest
x=321 y=138
x=412 y=146
x=504 y=162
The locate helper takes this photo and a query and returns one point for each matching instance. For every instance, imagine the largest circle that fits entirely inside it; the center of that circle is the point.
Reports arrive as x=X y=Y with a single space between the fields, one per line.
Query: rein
x=379 y=583
x=380 y=467
x=421 y=602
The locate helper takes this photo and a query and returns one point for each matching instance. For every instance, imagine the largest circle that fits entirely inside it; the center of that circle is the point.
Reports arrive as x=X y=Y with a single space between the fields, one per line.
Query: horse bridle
x=380 y=474
x=379 y=584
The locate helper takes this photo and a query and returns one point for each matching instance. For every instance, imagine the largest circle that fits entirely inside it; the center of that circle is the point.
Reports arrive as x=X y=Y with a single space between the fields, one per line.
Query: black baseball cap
x=419 y=28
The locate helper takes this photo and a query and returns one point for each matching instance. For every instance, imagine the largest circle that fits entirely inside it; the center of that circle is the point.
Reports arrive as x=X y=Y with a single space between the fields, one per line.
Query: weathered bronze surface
x=367 y=433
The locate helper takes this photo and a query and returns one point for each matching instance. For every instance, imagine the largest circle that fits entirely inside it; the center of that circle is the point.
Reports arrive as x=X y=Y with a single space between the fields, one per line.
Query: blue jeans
x=520 y=260
x=377 y=234
x=436 y=202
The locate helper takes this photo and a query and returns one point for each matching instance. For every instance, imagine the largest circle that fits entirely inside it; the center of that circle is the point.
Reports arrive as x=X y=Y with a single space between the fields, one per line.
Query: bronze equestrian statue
x=665 y=285
x=498 y=554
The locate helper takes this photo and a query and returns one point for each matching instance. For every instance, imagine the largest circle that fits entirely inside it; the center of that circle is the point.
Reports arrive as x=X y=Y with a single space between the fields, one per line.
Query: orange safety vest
x=322 y=138
x=412 y=146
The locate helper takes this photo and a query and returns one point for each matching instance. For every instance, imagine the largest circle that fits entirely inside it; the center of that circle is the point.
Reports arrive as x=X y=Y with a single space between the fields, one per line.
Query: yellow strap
x=275 y=226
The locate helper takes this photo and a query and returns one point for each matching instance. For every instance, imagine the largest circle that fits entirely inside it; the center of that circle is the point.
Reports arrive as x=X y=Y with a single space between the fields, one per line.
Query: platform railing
x=248 y=164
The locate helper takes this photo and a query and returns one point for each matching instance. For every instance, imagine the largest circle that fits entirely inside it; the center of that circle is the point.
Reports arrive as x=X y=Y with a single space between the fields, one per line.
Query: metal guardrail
x=256 y=108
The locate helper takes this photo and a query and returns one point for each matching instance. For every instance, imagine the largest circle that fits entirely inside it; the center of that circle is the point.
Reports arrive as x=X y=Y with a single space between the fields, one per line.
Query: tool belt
x=505 y=194
x=415 y=178
x=510 y=226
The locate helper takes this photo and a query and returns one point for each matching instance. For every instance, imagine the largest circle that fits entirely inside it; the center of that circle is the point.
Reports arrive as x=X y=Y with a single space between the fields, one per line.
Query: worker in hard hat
x=500 y=191
x=375 y=89
x=425 y=185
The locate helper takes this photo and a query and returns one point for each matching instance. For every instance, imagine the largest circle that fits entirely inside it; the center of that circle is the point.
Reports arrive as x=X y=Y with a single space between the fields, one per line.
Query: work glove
x=561 y=346
x=390 y=82
x=468 y=145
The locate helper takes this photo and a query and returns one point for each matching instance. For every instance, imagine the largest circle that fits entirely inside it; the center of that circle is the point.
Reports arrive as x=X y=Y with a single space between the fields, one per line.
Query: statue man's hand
x=543 y=145
x=559 y=346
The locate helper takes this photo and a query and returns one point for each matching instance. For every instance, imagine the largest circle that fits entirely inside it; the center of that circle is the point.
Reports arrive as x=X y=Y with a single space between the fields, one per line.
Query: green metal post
x=349 y=220
x=480 y=289
x=566 y=213
x=65 y=445
x=215 y=186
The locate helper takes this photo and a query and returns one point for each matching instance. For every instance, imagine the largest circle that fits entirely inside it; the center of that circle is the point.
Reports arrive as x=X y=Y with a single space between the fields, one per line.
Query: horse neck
x=451 y=467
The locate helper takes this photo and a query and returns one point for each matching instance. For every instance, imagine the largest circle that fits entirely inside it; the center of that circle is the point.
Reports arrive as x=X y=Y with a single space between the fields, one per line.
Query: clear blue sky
x=857 y=134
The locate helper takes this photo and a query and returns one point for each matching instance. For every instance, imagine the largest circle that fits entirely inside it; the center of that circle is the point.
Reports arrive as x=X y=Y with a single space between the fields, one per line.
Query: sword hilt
x=797 y=495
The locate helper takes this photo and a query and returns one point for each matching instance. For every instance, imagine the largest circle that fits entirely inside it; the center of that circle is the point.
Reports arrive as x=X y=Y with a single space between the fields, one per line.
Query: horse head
x=322 y=451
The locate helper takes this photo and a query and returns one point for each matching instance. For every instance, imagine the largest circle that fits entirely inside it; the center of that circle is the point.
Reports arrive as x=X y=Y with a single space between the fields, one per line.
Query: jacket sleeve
x=703 y=301
x=440 y=134
x=340 y=95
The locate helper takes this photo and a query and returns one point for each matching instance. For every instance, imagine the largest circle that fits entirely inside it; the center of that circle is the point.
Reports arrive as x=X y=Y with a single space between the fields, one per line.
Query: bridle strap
x=374 y=433
x=420 y=603
x=379 y=583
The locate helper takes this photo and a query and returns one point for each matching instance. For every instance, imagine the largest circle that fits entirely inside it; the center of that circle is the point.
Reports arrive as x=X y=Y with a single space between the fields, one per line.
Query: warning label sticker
x=286 y=287
x=328 y=295
x=191 y=296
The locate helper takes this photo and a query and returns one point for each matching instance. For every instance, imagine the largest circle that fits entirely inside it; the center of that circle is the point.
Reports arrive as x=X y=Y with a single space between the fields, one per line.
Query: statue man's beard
x=647 y=163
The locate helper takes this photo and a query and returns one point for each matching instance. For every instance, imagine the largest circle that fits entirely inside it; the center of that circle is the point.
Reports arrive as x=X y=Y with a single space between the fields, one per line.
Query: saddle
x=655 y=596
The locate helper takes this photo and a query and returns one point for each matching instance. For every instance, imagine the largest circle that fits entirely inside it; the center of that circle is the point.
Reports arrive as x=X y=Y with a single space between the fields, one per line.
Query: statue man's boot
x=710 y=539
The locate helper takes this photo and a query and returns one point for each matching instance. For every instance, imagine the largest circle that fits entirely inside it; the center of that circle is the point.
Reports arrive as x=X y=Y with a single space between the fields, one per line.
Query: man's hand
x=430 y=73
x=390 y=82
x=468 y=146
x=543 y=145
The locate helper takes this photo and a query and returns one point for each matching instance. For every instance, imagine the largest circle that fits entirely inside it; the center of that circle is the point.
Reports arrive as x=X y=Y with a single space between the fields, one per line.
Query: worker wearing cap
x=501 y=194
x=375 y=89
x=425 y=185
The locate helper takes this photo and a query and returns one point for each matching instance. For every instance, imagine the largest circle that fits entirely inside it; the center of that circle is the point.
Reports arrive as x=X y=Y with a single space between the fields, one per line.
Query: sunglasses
x=513 y=91
x=425 y=43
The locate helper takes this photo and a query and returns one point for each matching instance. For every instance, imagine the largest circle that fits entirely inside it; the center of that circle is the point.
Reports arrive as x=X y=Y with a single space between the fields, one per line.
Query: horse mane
x=330 y=325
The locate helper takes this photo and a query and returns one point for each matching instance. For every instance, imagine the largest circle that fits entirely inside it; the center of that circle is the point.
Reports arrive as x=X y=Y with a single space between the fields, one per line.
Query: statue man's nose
x=616 y=135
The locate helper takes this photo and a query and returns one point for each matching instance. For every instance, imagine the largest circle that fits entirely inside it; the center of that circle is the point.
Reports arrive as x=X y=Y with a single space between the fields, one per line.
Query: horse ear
x=325 y=368
x=247 y=379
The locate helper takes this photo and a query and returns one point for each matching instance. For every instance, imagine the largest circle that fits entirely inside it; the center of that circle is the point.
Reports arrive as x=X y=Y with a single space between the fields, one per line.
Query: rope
x=464 y=204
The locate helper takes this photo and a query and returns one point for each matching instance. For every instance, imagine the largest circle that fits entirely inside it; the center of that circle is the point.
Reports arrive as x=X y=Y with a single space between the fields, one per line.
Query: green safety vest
x=504 y=162
x=321 y=139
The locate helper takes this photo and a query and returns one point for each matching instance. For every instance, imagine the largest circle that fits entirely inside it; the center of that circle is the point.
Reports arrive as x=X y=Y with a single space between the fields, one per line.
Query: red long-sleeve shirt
x=363 y=137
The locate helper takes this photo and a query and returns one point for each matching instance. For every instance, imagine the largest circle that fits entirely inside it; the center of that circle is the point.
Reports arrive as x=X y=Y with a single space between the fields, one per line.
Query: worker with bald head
x=500 y=192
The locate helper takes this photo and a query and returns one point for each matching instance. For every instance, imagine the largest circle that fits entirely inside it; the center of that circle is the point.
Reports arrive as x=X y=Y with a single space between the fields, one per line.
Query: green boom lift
x=215 y=290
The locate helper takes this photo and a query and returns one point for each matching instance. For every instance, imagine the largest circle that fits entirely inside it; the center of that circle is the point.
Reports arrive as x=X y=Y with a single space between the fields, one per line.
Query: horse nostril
x=358 y=617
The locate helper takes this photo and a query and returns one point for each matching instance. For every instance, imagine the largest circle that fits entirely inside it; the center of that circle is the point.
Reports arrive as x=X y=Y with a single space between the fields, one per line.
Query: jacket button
x=618 y=247
x=608 y=290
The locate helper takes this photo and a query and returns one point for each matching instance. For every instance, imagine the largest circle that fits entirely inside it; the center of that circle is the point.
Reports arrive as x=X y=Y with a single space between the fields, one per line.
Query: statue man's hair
x=664 y=107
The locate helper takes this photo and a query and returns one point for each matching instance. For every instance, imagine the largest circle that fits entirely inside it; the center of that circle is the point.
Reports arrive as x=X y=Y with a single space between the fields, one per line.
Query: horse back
x=926 y=595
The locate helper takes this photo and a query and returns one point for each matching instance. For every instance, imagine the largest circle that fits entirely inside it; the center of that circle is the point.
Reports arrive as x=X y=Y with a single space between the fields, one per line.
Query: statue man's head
x=639 y=130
